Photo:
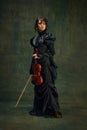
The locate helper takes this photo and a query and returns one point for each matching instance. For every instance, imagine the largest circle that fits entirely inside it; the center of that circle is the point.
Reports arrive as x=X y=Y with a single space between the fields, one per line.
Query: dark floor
x=73 y=107
x=74 y=118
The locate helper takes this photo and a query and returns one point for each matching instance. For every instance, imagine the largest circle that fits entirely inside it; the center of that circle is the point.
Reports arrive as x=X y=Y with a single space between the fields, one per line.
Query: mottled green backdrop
x=67 y=20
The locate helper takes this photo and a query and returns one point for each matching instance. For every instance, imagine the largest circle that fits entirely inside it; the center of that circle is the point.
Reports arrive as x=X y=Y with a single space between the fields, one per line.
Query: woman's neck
x=42 y=32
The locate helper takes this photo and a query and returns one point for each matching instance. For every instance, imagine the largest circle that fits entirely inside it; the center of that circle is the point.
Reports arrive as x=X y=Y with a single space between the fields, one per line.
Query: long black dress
x=45 y=95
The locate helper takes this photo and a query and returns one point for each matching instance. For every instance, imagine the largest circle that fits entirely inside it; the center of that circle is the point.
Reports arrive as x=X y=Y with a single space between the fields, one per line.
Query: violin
x=36 y=68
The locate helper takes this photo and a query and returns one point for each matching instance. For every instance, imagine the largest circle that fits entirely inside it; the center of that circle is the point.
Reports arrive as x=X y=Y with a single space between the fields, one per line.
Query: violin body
x=36 y=77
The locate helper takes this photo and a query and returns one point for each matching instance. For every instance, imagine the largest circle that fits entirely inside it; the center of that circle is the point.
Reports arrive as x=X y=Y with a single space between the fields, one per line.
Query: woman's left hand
x=35 y=56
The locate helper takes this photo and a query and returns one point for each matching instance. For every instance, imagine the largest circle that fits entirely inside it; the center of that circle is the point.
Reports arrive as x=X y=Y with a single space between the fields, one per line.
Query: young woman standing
x=45 y=93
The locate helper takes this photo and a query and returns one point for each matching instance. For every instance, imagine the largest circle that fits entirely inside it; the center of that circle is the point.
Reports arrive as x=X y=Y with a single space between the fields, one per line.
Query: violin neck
x=35 y=60
x=34 y=66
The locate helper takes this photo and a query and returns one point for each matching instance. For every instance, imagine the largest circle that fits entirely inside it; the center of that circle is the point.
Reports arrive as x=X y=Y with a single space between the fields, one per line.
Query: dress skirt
x=46 y=95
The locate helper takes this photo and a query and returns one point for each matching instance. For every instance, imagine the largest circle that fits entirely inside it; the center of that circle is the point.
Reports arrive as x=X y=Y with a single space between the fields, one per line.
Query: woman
x=45 y=94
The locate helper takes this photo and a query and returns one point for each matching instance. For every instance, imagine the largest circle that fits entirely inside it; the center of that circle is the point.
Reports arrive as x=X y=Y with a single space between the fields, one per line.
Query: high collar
x=42 y=33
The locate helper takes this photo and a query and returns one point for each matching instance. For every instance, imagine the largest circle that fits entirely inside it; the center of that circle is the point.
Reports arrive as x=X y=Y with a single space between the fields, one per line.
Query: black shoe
x=58 y=115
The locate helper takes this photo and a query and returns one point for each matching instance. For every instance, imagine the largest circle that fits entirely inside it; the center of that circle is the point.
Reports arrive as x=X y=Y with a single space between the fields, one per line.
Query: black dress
x=45 y=95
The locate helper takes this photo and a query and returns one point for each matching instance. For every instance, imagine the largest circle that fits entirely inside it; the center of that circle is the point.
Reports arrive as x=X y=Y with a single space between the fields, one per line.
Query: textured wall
x=67 y=19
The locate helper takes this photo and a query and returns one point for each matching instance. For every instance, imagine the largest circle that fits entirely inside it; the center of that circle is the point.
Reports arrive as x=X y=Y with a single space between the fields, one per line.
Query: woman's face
x=41 y=25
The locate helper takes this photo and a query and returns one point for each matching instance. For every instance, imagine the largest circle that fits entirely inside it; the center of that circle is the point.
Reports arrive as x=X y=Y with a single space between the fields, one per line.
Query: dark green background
x=67 y=19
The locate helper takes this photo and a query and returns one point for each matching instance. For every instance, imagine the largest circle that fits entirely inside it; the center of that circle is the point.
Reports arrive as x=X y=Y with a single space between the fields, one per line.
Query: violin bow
x=23 y=91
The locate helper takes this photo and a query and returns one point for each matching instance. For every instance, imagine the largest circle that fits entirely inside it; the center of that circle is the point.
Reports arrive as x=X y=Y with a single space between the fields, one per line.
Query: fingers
x=35 y=56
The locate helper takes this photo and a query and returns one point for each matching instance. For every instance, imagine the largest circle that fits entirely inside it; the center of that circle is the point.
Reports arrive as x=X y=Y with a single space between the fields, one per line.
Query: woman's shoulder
x=50 y=36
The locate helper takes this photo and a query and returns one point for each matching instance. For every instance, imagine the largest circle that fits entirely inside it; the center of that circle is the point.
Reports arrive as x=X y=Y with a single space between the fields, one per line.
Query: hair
x=36 y=22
